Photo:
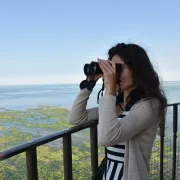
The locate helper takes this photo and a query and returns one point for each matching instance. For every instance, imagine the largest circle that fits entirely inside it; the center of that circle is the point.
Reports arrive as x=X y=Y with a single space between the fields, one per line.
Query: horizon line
x=70 y=83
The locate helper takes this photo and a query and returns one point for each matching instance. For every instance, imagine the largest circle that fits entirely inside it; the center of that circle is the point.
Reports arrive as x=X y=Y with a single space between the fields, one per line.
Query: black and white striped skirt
x=115 y=162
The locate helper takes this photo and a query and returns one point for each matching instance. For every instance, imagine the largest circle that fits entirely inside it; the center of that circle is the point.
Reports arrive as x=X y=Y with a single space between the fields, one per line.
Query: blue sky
x=50 y=41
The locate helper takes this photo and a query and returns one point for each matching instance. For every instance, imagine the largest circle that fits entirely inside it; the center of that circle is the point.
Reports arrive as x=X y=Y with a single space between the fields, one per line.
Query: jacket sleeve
x=78 y=113
x=112 y=131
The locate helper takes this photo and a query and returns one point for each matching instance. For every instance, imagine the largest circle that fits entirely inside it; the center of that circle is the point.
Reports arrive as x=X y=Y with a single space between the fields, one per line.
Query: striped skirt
x=113 y=170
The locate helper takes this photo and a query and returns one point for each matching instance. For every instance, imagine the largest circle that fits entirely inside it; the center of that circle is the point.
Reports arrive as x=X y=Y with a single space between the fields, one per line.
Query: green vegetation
x=17 y=127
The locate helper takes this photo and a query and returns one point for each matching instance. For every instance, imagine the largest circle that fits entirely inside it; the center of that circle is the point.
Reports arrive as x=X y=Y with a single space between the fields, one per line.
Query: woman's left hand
x=109 y=70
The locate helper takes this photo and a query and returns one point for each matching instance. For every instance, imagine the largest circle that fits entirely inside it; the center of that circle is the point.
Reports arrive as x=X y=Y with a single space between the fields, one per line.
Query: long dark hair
x=145 y=77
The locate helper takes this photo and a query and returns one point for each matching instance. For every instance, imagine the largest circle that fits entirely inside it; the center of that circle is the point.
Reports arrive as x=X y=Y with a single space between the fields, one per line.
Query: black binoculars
x=93 y=68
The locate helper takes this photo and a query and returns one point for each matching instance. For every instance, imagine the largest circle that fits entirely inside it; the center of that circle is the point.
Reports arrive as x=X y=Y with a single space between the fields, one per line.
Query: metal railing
x=162 y=135
x=31 y=148
x=31 y=153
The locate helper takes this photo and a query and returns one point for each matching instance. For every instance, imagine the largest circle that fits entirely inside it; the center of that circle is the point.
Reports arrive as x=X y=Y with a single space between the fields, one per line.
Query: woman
x=129 y=113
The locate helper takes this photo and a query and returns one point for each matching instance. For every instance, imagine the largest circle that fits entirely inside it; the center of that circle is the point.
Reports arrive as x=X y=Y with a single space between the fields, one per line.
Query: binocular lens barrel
x=94 y=68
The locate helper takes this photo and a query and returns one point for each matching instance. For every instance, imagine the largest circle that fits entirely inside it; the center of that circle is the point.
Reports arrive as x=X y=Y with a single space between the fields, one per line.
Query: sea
x=22 y=97
x=30 y=96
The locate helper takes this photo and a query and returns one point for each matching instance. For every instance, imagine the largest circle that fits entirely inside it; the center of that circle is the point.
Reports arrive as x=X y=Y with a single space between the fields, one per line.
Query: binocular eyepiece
x=93 y=68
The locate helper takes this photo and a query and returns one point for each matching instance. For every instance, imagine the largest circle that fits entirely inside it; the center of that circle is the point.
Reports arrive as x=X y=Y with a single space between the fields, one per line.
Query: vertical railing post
x=162 y=129
x=94 y=149
x=67 y=156
x=31 y=162
x=175 y=117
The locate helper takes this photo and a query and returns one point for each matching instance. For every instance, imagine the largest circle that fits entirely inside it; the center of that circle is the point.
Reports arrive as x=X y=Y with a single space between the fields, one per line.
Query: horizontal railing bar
x=41 y=141
x=173 y=104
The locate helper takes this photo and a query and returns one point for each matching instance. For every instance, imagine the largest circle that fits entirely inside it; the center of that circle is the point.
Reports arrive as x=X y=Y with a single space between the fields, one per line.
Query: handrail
x=43 y=140
x=31 y=153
